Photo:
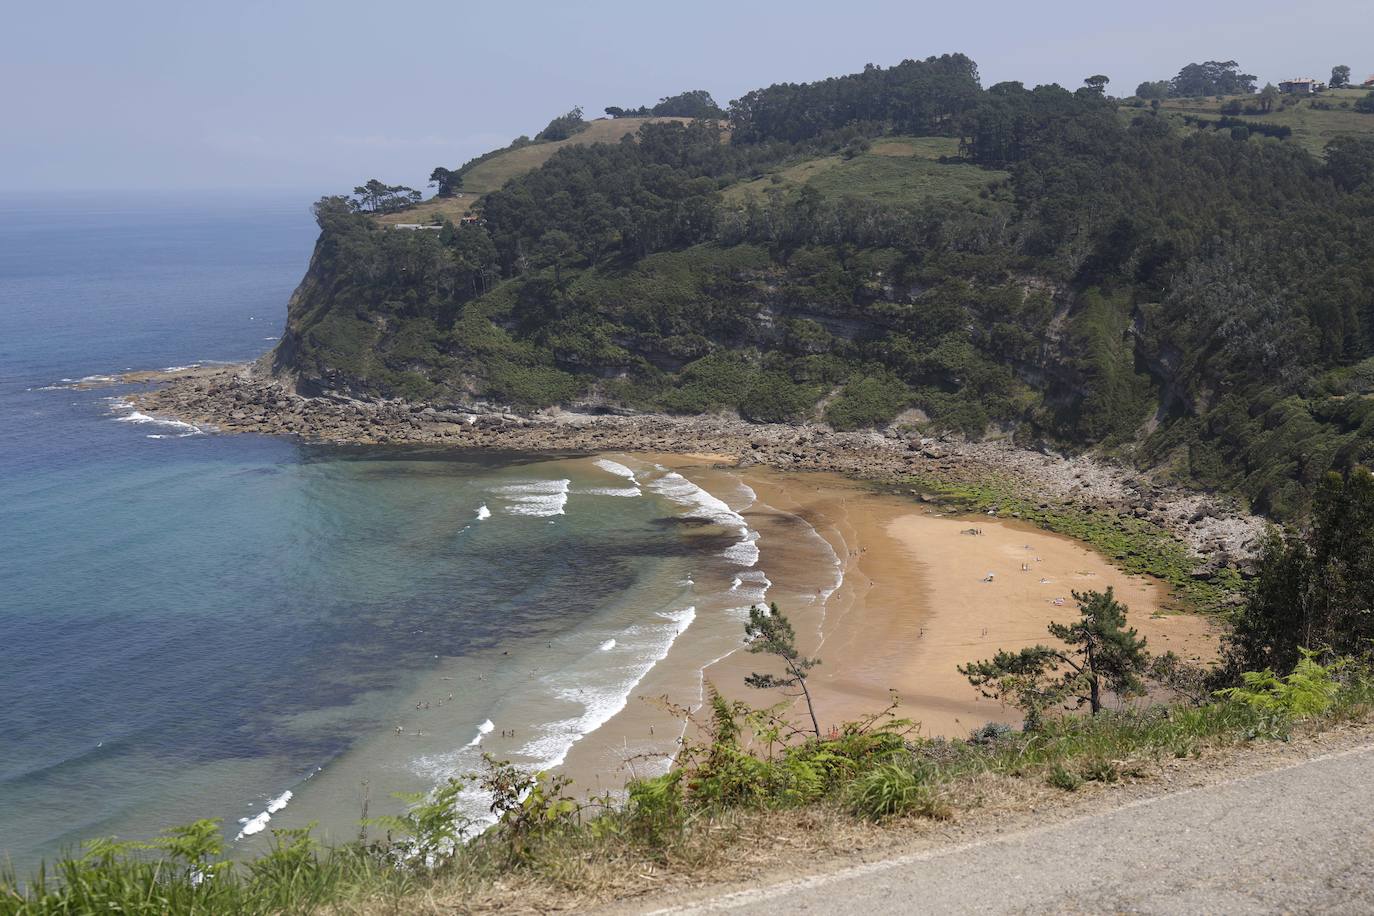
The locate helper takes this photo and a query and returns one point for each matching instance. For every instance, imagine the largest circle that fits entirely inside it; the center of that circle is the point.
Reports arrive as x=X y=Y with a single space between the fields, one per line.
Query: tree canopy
x=694 y=103
x=1316 y=587
x=378 y=197
x=563 y=126
x=1102 y=655
x=1213 y=77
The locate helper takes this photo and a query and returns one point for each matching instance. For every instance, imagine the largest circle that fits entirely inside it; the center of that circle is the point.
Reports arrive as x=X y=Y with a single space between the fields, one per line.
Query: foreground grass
x=717 y=809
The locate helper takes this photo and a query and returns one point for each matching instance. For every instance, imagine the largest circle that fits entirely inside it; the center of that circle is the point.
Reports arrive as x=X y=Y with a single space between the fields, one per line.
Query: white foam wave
x=703 y=505
x=601 y=700
x=746 y=552
x=258 y=823
x=750 y=587
x=612 y=491
x=614 y=467
x=484 y=729
x=599 y=686
x=483 y=513
x=538 y=498
x=139 y=417
x=181 y=368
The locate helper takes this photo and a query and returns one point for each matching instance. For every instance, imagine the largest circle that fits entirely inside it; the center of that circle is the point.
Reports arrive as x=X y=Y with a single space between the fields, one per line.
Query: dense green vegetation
x=695 y=103
x=1192 y=296
x=1316 y=587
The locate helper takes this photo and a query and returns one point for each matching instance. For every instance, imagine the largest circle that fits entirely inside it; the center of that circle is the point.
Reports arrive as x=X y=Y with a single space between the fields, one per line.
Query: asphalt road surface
x=1299 y=839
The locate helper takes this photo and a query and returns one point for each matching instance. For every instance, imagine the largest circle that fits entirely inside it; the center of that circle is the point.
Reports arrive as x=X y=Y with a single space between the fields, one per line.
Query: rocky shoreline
x=247 y=399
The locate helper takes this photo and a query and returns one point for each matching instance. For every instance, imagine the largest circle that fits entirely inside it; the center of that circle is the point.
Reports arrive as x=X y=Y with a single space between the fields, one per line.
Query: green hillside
x=1047 y=264
x=491 y=172
x=1315 y=121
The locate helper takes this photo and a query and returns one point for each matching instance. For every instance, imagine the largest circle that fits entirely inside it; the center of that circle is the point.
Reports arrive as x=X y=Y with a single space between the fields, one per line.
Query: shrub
x=892 y=790
x=990 y=733
x=873 y=400
x=772 y=397
x=1309 y=690
x=1061 y=777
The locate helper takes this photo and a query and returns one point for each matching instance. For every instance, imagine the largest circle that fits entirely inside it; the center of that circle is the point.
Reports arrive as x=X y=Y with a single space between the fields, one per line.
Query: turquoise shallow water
x=192 y=625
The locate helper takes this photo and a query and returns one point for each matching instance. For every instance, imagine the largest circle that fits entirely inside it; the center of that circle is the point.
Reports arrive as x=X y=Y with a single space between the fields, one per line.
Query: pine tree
x=1102 y=655
x=769 y=632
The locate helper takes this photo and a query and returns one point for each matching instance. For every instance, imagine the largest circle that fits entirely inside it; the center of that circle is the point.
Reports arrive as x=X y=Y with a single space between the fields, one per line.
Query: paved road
x=1294 y=840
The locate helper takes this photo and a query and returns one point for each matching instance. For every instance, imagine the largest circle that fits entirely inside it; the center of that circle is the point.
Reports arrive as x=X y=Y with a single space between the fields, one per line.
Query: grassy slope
x=1312 y=127
x=496 y=171
x=896 y=170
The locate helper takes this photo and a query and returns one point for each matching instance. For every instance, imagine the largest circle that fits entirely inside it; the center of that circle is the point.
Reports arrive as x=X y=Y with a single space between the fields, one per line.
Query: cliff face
x=716 y=327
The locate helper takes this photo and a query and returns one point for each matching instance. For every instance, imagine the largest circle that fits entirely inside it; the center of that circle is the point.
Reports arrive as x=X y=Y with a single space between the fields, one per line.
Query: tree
x=1350 y=162
x=378 y=197
x=769 y=632
x=1315 y=588
x=1158 y=89
x=1268 y=96
x=1097 y=83
x=1214 y=77
x=1340 y=76
x=446 y=181
x=695 y=103
x=555 y=249
x=1102 y=655
x=563 y=126
x=1365 y=104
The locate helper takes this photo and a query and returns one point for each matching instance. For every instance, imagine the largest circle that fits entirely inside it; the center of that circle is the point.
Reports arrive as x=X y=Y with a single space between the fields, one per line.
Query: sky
x=319 y=95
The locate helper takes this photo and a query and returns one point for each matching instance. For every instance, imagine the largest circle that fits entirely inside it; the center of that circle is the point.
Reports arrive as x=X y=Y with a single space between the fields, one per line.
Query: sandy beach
x=914 y=602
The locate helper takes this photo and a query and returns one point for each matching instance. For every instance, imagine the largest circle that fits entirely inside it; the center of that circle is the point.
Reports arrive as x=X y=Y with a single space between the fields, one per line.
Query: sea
x=271 y=633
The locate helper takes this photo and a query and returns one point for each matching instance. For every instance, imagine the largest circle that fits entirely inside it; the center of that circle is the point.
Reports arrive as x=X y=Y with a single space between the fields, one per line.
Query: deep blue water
x=190 y=625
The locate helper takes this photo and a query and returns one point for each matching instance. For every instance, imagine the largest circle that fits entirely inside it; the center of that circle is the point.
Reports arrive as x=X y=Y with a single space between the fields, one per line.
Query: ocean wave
x=139 y=417
x=483 y=730
x=614 y=467
x=601 y=700
x=538 y=498
x=483 y=513
x=746 y=552
x=599 y=685
x=258 y=823
x=751 y=585
x=701 y=504
x=612 y=491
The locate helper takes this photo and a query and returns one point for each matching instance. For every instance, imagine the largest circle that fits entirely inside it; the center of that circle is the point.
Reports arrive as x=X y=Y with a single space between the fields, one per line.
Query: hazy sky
x=320 y=95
